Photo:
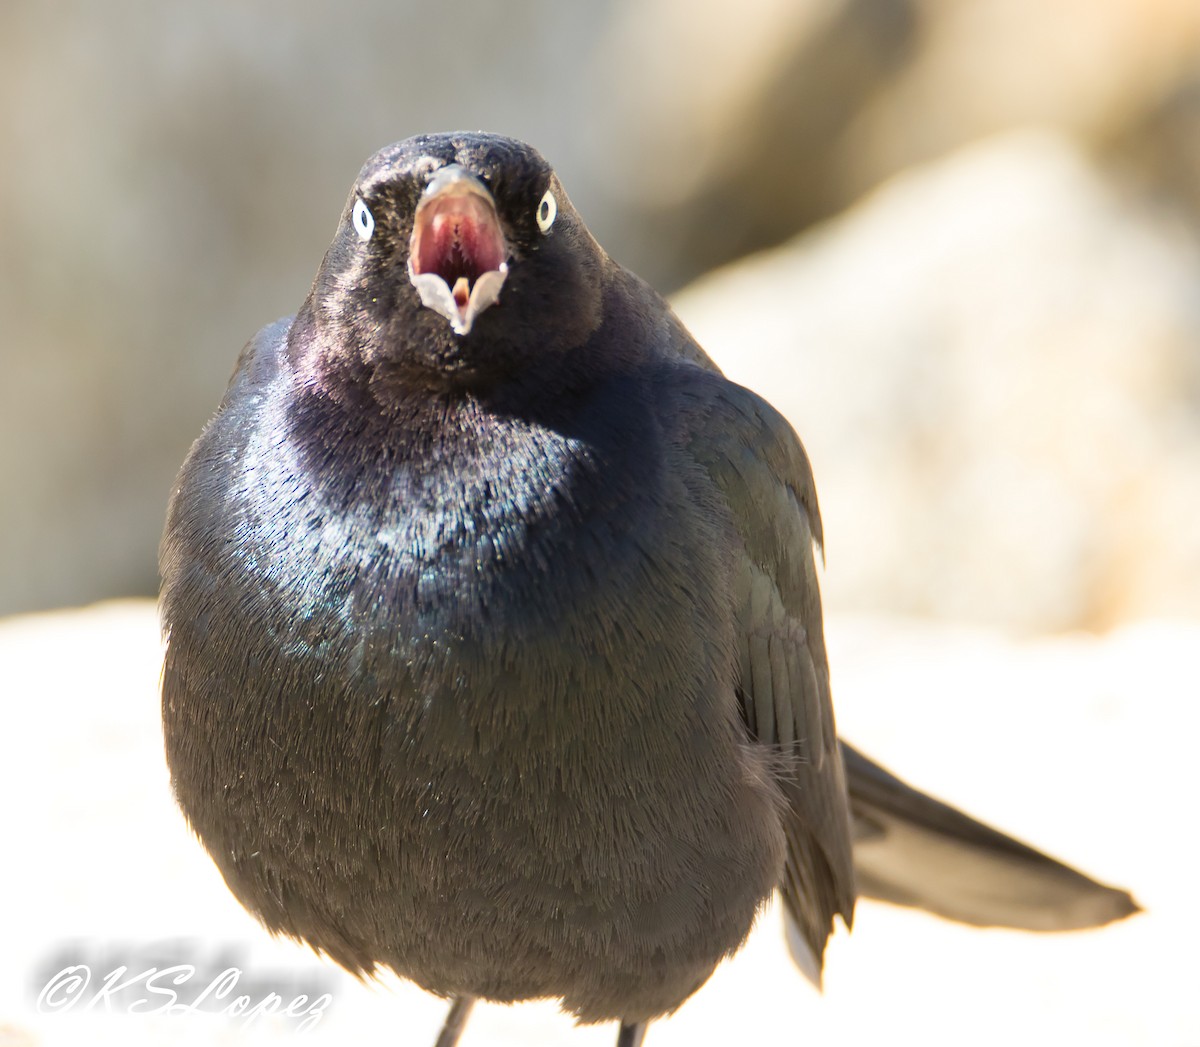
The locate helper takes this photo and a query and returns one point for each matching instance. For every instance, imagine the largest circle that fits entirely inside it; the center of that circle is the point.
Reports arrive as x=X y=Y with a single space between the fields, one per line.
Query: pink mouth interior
x=458 y=238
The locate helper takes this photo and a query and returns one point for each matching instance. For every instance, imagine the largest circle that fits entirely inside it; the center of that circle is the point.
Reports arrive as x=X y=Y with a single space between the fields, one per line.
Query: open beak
x=457 y=254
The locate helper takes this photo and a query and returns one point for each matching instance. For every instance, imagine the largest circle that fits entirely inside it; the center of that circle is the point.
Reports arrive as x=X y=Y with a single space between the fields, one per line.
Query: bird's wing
x=760 y=467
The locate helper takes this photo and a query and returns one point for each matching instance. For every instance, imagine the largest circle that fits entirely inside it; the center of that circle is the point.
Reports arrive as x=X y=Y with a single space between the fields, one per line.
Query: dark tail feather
x=911 y=849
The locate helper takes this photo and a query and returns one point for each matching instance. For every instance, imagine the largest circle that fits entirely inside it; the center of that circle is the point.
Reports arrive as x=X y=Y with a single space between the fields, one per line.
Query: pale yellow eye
x=547 y=211
x=364 y=221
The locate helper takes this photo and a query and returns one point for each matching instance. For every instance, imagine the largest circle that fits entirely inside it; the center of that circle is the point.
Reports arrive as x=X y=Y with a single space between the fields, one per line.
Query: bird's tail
x=913 y=850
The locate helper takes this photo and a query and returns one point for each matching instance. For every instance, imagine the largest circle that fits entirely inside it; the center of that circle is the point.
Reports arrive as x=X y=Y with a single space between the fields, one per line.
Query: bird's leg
x=632 y=1035
x=456 y=1020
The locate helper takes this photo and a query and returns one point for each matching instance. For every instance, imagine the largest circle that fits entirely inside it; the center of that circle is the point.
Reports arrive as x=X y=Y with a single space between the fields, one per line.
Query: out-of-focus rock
x=727 y=140
x=748 y=128
x=1082 y=745
x=995 y=365
x=1160 y=154
x=1088 y=68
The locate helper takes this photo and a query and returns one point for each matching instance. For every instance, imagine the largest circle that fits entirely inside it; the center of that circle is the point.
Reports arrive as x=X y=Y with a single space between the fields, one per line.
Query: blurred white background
x=957 y=242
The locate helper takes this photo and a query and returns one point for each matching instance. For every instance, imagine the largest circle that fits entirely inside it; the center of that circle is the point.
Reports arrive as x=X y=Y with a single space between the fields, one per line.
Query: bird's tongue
x=462 y=292
x=457 y=257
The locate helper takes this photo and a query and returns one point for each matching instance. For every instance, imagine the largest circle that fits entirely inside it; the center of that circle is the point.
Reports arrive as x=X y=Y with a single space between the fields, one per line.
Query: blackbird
x=494 y=640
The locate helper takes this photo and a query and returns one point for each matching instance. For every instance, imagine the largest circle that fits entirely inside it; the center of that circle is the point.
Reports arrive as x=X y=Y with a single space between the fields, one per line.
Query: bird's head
x=458 y=257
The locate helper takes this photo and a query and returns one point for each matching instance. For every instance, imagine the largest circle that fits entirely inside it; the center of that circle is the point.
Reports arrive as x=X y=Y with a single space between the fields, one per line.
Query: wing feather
x=761 y=470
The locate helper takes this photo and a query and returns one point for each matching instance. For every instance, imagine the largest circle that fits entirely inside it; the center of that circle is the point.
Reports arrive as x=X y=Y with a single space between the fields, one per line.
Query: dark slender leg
x=631 y=1035
x=456 y=1020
